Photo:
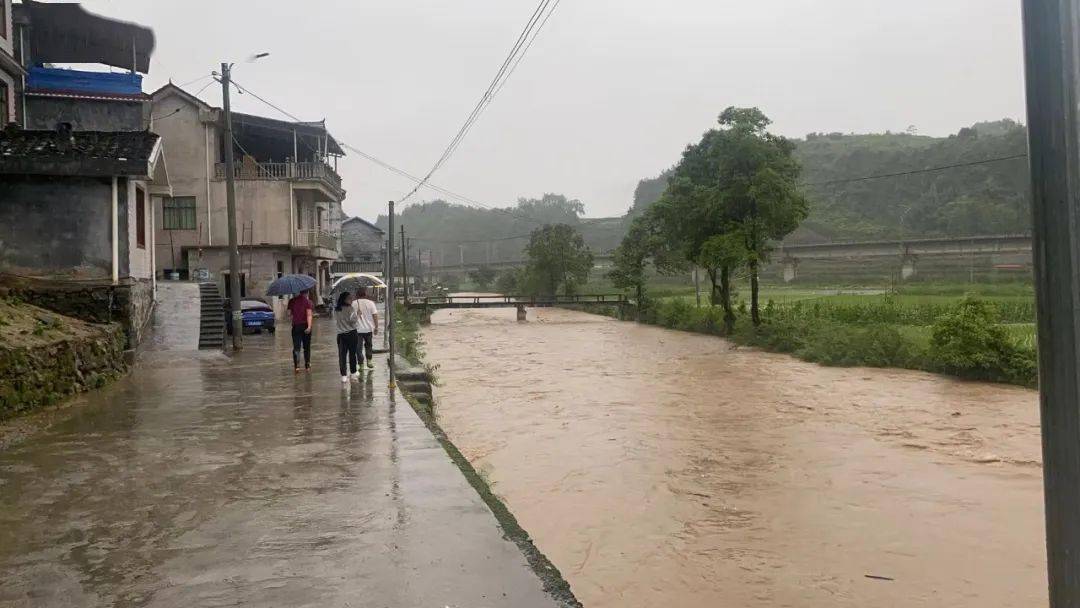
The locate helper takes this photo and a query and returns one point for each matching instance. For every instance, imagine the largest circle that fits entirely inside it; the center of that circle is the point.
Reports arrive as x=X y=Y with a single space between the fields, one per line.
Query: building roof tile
x=77 y=152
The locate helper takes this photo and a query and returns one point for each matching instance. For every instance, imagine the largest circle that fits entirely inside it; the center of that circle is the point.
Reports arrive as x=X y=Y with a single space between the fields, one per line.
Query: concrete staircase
x=212 y=317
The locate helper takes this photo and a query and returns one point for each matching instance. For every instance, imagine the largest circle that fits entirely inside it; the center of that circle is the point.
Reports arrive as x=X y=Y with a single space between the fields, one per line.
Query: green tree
x=721 y=255
x=482 y=277
x=558 y=257
x=631 y=257
x=756 y=183
x=508 y=282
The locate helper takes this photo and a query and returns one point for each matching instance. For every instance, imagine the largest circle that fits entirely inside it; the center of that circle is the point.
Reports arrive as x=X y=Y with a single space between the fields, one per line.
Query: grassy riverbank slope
x=977 y=332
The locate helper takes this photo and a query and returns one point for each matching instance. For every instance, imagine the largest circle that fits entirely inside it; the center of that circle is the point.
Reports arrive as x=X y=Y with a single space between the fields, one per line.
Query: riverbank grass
x=978 y=338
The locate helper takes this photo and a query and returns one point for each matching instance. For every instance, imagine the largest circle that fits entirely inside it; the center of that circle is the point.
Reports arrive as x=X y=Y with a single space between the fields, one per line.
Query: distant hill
x=454 y=232
x=979 y=199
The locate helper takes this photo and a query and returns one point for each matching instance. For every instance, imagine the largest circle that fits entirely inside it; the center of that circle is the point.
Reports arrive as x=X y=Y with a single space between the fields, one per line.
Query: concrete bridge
x=519 y=302
x=906 y=251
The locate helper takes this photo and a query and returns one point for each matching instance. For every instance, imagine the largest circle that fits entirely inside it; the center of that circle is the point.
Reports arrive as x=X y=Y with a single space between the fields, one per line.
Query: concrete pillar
x=907 y=267
x=520 y=312
x=791 y=269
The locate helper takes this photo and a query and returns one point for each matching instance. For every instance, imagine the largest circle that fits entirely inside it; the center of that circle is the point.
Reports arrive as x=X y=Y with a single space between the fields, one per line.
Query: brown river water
x=661 y=468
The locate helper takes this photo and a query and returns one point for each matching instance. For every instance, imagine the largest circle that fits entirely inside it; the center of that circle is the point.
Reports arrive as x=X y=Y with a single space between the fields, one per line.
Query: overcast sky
x=610 y=93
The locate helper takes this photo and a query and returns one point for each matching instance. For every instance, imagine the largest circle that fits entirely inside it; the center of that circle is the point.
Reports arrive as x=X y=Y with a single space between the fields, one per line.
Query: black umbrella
x=290 y=284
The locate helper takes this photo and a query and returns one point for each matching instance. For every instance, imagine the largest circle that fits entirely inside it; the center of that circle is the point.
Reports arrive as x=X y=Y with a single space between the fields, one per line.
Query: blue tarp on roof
x=57 y=79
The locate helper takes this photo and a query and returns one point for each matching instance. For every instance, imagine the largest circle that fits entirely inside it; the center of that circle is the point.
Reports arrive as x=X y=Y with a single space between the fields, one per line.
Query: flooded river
x=660 y=468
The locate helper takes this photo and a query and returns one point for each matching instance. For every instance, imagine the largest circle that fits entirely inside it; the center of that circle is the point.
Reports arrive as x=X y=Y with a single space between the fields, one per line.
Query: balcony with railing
x=320 y=242
x=310 y=171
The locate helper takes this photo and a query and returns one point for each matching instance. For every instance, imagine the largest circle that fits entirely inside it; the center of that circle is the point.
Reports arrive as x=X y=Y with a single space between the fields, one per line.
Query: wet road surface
x=656 y=467
x=207 y=481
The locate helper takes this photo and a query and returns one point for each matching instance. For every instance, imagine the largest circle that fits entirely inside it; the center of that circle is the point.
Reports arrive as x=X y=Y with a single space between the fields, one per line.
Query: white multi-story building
x=288 y=195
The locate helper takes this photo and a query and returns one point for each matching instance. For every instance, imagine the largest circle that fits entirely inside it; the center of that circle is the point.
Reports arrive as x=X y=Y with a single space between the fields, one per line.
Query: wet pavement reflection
x=205 y=480
x=665 y=468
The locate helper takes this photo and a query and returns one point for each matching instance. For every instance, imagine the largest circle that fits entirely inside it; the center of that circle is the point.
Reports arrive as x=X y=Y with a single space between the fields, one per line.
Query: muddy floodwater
x=661 y=468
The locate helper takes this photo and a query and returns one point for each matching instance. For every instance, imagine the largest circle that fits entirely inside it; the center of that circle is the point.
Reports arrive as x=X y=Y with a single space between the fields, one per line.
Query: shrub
x=968 y=342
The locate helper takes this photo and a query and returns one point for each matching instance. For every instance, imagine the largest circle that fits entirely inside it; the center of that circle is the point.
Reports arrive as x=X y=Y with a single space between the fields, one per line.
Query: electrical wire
x=419 y=181
x=191 y=82
x=916 y=171
x=204 y=87
x=244 y=89
x=527 y=47
x=486 y=98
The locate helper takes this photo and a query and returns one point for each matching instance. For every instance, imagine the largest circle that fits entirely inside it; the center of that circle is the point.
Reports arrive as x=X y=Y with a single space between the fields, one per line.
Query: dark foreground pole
x=235 y=317
x=1050 y=47
x=390 y=292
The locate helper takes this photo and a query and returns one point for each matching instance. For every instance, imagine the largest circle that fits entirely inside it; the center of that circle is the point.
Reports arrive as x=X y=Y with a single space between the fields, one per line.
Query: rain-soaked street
x=202 y=480
x=660 y=468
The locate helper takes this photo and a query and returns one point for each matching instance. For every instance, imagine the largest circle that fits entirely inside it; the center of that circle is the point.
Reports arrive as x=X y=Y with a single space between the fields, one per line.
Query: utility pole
x=230 y=206
x=404 y=264
x=390 y=292
x=1051 y=64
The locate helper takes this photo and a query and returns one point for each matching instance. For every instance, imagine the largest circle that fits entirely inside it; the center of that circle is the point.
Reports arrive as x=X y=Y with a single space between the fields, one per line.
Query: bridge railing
x=601 y=298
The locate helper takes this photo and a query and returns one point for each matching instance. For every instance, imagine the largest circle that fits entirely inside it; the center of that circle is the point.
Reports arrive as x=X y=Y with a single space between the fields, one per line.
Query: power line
x=440 y=189
x=486 y=98
x=244 y=89
x=204 y=87
x=527 y=47
x=916 y=171
x=191 y=82
x=419 y=181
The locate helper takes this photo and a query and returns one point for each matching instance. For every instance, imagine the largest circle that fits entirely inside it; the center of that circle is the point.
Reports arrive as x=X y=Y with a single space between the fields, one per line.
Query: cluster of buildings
x=106 y=189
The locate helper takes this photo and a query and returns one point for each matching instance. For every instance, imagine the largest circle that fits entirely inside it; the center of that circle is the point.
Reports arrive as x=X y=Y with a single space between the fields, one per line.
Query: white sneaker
x=345 y=379
x=356 y=375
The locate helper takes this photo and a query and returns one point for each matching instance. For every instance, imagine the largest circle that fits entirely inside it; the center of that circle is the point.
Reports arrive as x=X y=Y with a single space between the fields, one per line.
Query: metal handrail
x=317 y=238
x=259 y=171
x=602 y=298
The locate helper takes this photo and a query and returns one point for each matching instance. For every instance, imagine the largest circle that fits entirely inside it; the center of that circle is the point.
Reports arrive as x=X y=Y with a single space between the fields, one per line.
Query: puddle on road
x=664 y=468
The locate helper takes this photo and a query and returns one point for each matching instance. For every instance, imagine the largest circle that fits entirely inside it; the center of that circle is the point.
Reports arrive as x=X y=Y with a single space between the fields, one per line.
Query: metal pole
x=230 y=205
x=697 y=286
x=390 y=292
x=404 y=264
x=1050 y=55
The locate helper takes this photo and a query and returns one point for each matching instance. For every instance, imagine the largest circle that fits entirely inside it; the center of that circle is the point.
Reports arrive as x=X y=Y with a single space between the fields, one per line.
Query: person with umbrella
x=367 y=322
x=301 y=311
x=345 y=321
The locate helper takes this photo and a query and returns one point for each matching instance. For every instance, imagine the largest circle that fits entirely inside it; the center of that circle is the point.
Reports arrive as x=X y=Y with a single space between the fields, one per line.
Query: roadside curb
x=415 y=383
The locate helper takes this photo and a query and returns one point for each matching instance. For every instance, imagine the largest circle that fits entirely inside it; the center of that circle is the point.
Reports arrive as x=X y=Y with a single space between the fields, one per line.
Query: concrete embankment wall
x=45 y=357
x=129 y=303
x=415 y=381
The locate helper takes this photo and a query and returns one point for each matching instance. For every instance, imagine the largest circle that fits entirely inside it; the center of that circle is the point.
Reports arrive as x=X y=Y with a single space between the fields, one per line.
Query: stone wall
x=62 y=357
x=129 y=304
x=57 y=227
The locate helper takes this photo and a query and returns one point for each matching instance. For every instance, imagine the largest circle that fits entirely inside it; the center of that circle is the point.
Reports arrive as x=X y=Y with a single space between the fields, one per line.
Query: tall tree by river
x=558 y=257
x=732 y=194
x=756 y=182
